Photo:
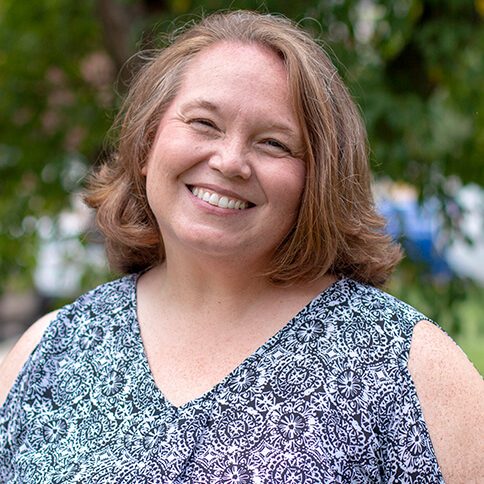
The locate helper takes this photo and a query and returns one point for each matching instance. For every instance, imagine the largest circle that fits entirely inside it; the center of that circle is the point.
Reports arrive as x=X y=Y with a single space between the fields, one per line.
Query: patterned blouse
x=327 y=399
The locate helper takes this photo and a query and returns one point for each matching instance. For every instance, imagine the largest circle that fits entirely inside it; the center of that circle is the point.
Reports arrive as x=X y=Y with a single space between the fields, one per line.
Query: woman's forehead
x=223 y=56
x=242 y=74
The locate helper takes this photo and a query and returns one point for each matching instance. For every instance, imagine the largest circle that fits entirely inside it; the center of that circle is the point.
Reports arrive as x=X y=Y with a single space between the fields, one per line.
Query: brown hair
x=337 y=229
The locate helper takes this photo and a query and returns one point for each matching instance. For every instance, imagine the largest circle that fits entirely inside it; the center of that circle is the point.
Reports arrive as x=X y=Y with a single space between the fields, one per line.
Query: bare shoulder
x=16 y=358
x=451 y=393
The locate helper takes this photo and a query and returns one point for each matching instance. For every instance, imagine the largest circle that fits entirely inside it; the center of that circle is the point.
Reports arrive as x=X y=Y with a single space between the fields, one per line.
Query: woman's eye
x=203 y=123
x=272 y=143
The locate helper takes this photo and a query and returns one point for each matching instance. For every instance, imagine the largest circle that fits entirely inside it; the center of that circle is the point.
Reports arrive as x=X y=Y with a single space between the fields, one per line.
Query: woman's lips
x=218 y=199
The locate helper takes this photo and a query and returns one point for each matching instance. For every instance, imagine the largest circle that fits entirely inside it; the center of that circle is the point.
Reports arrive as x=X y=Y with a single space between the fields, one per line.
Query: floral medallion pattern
x=327 y=399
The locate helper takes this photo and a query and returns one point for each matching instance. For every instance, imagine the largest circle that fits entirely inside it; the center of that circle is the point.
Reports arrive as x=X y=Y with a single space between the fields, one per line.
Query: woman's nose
x=231 y=160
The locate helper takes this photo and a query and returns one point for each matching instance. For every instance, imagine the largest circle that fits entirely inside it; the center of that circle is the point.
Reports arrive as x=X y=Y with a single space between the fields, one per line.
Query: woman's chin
x=216 y=246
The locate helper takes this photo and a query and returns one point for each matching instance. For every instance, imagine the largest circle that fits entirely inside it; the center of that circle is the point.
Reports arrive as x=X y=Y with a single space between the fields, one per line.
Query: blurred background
x=416 y=68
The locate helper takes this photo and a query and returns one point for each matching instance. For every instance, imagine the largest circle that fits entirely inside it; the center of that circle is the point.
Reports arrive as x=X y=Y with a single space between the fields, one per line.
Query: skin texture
x=207 y=307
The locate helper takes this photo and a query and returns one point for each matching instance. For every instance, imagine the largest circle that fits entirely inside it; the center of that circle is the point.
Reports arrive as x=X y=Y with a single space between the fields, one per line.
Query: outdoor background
x=415 y=67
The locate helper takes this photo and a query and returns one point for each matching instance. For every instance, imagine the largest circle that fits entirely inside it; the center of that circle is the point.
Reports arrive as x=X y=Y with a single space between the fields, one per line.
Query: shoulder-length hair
x=337 y=229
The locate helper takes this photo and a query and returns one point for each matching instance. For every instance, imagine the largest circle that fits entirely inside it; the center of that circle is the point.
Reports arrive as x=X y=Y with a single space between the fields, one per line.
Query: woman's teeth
x=218 y=200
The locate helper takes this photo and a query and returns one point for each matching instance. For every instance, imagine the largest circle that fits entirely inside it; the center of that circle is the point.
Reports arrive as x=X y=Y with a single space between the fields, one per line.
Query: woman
x=248 y=343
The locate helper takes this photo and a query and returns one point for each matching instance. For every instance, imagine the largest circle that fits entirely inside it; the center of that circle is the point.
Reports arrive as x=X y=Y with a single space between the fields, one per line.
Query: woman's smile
x=219 y=199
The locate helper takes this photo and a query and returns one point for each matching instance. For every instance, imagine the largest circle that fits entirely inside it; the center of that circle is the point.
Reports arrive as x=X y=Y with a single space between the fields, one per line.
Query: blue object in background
x=417 y=228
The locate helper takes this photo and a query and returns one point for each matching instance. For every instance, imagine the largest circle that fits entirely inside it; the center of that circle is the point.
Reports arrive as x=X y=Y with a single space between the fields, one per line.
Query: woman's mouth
x=219 y=200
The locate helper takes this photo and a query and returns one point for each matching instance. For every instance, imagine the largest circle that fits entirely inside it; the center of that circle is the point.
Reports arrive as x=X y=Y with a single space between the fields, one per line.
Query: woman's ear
x=144 y=169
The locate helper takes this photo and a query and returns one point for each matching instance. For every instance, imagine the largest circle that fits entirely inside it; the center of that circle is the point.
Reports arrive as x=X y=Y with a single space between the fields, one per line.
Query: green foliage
x=415 y=67
x=53 y=116
x=422 y=96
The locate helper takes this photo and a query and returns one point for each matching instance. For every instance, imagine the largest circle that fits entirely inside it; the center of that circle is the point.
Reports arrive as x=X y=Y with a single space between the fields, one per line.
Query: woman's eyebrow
x=284 y=128
x=200 y=103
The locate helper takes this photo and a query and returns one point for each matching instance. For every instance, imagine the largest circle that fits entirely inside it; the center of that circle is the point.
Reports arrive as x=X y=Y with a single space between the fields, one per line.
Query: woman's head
x=336 y=230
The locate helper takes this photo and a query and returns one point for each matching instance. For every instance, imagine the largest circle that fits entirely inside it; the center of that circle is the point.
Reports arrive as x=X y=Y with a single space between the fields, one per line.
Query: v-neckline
x=248 y=361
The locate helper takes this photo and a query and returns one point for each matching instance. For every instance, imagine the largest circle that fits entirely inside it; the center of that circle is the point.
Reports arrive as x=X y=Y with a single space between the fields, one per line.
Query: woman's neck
x=191 y=281
x=217 y=292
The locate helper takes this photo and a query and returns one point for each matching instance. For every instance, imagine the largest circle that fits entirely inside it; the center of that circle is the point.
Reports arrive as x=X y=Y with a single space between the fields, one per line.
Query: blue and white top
x=327 y=399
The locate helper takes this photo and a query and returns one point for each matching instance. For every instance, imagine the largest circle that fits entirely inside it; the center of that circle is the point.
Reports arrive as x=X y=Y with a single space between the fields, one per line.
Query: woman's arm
x=451 y=393
x=15 y=360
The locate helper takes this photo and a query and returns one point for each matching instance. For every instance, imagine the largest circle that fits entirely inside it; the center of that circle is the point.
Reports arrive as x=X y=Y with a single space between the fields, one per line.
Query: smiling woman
x=248 y=341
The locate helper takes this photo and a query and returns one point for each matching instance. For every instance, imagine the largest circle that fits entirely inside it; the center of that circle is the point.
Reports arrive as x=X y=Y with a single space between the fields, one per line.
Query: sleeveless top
x=326 y=399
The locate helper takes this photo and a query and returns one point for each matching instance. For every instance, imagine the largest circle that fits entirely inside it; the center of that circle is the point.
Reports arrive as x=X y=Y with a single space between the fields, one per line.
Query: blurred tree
x=55 y=90
x=414 y=66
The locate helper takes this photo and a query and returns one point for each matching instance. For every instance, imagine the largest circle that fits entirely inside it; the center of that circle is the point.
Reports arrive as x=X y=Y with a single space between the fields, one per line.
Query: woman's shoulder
x=350 y=308
x=18 y=355
x=364 y=298
x=449 y=389
x=96 y=305
x=375 y=326
x=451 y=394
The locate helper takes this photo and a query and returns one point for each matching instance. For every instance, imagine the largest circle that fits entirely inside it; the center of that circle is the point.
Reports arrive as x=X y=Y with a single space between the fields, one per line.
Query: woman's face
x=225 y=175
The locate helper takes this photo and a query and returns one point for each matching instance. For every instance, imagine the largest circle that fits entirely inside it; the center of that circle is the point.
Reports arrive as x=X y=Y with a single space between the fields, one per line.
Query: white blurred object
x=63 y=260
x=464 y=258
